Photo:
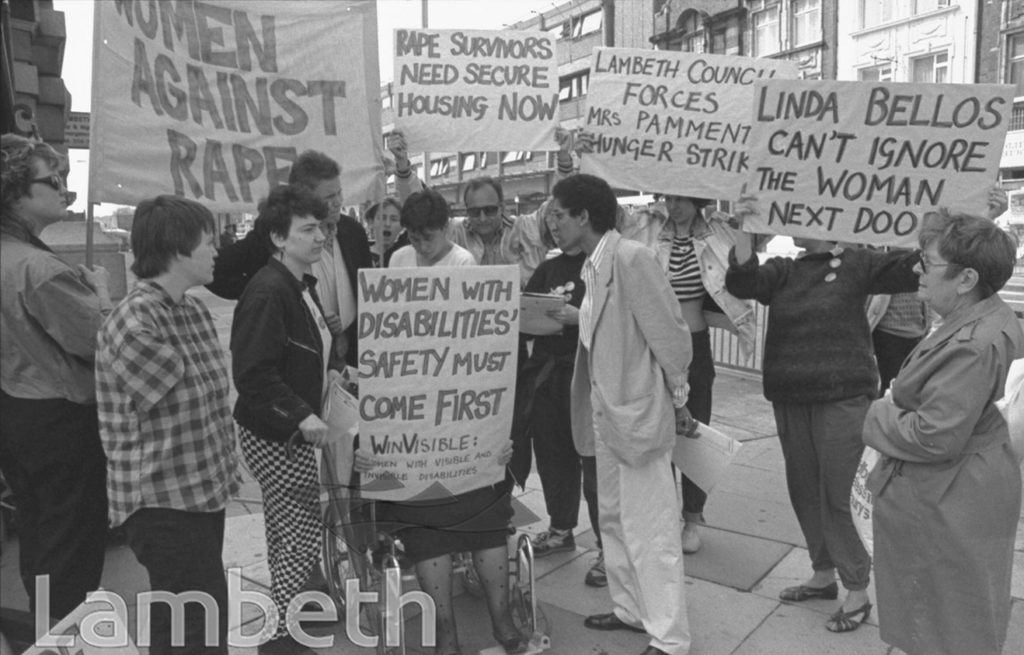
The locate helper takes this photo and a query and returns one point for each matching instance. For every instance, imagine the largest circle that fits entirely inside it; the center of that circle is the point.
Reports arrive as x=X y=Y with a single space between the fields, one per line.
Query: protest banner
x=673 y=122
x=863 y=162
x=214 y=100
x=463 y=90
x=437 y=369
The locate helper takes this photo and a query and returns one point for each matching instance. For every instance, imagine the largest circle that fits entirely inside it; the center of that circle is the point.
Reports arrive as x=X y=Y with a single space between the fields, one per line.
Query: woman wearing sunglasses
x=50 y=451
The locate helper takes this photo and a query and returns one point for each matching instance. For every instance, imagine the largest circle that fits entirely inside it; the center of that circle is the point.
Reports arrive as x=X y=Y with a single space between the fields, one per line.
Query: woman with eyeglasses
x=50 y=451
x=947 y=491
x=819 y=373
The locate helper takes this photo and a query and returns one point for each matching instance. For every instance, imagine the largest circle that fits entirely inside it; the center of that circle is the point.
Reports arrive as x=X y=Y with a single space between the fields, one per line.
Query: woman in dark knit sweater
x=820 y=375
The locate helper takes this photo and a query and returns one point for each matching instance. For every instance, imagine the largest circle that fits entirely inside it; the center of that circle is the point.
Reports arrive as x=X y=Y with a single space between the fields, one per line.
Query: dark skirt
x=471 y=521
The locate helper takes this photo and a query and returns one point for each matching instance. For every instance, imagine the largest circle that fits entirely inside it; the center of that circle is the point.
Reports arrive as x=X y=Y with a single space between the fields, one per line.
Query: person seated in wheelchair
x=476 y=521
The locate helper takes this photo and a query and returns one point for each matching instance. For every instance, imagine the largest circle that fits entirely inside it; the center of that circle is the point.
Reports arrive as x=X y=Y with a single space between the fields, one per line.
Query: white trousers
x=643 y=552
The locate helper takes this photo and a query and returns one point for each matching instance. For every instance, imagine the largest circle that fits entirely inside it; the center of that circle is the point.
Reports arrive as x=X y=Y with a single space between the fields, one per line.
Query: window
x=931 y=68
x=766 y=31
x=573 y=86
x=468 y=162
x=559 y=31
x=440 y=167
x=719 y=41
x=694 y=42
x=879 y=12
x=1015 y=62
x=591 y=22
x=513 y=156
x=882 y=73
x=806 y=22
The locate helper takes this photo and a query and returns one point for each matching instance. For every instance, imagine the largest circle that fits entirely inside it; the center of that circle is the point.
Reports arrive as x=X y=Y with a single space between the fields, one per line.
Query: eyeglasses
x=54 y=181
x=490 y=210
x=927 y=266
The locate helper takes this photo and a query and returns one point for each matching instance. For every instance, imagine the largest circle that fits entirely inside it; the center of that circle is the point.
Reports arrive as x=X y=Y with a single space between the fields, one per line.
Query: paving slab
x=753 y=515
x=721 y=618
x=791 y=630
x=735 y=560
x=244 y=540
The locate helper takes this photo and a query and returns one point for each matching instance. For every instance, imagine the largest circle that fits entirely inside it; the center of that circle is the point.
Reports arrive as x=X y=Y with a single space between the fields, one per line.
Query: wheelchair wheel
x=335 y=557
x=521 y=584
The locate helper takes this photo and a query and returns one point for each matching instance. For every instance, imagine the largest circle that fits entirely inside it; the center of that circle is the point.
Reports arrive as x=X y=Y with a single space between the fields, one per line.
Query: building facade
x=802 y=31
x=1001 y=61
x=35 y=100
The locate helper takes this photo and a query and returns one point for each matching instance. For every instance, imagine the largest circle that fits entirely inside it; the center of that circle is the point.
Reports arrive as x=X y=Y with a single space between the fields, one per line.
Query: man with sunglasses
x=492 y=237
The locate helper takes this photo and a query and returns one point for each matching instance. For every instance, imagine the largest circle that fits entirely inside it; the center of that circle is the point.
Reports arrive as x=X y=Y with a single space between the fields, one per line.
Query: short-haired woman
x=947 y=491
x=820 y=375
x=425 y=219
x=279 y=344
x=50 y=450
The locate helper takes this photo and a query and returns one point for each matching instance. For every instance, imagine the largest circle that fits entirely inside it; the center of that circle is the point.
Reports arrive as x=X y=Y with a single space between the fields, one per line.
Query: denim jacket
x=712 y=240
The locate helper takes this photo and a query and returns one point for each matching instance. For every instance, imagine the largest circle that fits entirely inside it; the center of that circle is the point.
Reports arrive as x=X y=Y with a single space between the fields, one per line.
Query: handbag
x=1011 y=406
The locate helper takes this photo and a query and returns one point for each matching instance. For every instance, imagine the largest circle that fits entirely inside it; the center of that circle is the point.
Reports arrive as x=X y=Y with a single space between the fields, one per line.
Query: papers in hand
x=705 y=458
x=533 y=313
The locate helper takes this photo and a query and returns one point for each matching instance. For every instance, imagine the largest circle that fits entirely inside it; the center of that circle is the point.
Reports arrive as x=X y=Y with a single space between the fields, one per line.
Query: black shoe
x=609 y=621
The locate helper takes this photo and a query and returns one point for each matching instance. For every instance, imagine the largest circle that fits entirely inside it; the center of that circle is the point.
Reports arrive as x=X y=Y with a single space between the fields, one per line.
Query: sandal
x=803 y=592
x=844 y=621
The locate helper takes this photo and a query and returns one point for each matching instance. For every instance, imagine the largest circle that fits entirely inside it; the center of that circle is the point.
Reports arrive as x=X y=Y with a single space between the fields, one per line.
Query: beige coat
x=947 y=491
x=639 y=352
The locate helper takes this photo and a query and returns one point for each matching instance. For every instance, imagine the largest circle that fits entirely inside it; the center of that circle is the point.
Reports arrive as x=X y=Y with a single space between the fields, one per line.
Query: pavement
x=752 y=548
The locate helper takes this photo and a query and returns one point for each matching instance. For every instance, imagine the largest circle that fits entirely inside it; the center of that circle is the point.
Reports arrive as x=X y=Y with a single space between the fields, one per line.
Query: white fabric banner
x=213 y=101
x=673 y=122
x=864 y=161
x=464 y=90
x=437 y=374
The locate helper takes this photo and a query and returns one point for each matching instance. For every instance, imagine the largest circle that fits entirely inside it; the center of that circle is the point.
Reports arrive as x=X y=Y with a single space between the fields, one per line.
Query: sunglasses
x=490 y=210
x=54 y=181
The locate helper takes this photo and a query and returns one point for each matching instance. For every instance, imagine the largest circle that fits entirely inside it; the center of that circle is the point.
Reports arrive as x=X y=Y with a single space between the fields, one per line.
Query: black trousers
x=890 y=352
x=701 y=379
x=182 y=552
x=51 y=457
x=560 y=467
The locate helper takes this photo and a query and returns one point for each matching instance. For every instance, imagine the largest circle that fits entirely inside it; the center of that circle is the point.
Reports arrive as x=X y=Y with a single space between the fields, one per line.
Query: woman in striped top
x=694 y=251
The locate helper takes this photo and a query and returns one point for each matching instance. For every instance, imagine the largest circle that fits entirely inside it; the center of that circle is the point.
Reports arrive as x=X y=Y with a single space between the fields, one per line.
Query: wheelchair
x=357 y=554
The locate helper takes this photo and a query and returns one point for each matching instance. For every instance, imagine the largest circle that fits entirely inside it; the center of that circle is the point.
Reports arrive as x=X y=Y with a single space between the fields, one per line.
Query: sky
x=391 y=14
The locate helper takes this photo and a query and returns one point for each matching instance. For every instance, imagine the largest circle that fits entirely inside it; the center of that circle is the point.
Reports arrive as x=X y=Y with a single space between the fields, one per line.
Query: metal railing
x=725 y=347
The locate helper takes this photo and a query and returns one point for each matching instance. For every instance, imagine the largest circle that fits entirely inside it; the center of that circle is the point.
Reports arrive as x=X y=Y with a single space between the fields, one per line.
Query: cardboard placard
x=465 y=90
x=673 y=122
x=437 y=369
x=863 y=162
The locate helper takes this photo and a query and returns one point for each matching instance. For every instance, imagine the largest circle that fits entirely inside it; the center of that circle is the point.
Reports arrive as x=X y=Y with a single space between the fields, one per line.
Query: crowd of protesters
x=120 y=415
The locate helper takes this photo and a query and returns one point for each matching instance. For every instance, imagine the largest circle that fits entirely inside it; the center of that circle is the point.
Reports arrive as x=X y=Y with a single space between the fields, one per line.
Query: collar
x=149 y=286
x=963 y=317
x=595 y=257
x=307 y=282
